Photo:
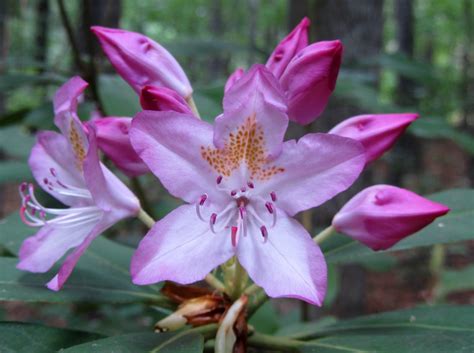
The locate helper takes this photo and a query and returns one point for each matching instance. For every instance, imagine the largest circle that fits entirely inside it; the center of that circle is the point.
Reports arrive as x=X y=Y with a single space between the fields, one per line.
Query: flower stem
x=239 y=281
x=138 y=189
x=256 y=297
x=215 y=283
x=325 y=234
x=193 y=106
x=267 y=342
x=145 y=218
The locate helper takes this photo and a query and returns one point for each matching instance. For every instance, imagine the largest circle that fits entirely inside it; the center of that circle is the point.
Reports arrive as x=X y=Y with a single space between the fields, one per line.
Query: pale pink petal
x=256 y=96
x=163 y=99
x=291 y=45
x=108 y=191
x=377 y=132
x=316 y=168
x=382 y=215
x=54 y=166
x=233 y=78
x=180 y=248
x=170 y=144
x=141 y=61
x=309 y=80
x=113 y=139
x=288 y=264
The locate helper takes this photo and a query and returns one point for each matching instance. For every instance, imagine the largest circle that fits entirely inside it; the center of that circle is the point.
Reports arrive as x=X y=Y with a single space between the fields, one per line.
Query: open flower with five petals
x=242 y=185
x=66 y=165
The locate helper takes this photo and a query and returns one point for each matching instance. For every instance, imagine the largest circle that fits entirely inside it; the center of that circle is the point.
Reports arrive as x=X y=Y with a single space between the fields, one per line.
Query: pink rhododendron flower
x=67 y=167
x=377 y=132
x=141 y=61
x=233 y=78
x=242 y=185
x=114 y=141
x=163 y=99
x=382 y=215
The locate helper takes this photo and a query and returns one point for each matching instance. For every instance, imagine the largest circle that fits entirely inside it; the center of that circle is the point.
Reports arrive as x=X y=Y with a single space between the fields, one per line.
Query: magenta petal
x=382 y=215
x=233 y=78
x=317 y=168
x=141 y=61
x=289 y=264
x=170 y=144
x=163 y=99
x=179 y=248
x=41 y=251
x=377 y=132
x=52 y=164
x=310 y=78
x=108 y=191
x=113 y=139
x=292 y=44
x=257 y=95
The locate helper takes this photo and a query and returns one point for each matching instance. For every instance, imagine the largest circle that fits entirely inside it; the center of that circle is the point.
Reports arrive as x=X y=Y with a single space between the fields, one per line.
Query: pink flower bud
x=288 y=48
x=141 y=61
x=382 y=215
x=377 y=132
x=113 y=140
x=310 y=78
x=163 y=99
x=233 y=78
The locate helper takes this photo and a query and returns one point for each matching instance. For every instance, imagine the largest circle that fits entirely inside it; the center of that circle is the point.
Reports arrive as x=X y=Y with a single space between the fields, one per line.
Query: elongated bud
x=288 y=48
x=163 y=99
x=310 y=78
x=233 y=78
x=382 y=215
x=377 y=132
x=114 y=141
x=141 y=61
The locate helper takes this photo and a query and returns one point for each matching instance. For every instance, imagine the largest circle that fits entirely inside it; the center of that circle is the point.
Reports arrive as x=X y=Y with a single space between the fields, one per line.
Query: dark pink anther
x=269 y=207
x=250 y=185
x=213 y=218
x=219 y=179
x=273 y=195
x=52 y=171
x=43 y=214
x=23 y=186
x=242 y=212
x=45 y=180
x=234 y=236
x=243 y=189
x=264 y=231
x=202 y=200
x=233 y=193
x=33 y=211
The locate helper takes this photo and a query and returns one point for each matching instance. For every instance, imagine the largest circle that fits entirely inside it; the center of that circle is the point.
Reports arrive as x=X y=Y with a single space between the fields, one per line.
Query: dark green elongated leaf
x=425 y=329
x=143 y=342
x=457 y=225
x=101 y=274
x=14 y=171
x=21 y=337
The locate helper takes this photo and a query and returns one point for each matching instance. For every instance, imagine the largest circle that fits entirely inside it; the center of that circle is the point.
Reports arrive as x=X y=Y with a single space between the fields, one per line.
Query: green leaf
x=117 y=96
x=265 y=319
x=457 y=280
x=25 y=338
x=16 y=142
x=14 y=171
x=457 y=225
x=424 y=329
x=143 y=342
x=101 y=275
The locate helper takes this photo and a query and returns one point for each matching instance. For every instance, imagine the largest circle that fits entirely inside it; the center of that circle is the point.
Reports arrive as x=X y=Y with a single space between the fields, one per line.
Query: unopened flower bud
x=163 y=99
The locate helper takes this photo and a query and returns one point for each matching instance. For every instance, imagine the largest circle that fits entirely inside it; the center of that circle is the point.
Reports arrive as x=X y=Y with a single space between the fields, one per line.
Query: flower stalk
x=324 y=235
x=145 y=218
x=193 y=106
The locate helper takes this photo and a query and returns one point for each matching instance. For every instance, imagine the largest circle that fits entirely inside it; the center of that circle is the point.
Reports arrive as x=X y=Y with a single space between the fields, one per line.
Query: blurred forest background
x=399 y=56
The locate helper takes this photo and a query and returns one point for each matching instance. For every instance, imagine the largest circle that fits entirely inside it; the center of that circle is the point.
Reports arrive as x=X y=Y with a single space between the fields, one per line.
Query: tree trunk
x=41 y=38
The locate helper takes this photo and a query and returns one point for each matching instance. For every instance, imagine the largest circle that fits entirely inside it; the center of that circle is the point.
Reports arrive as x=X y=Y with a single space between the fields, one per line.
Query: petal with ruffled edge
x=170 y=144
x=316 y=168
x=289 y=264
x=113 y=139
x=39 y=252
x=233 y=78
x=256 y=96
x=53 y=165
x=179 y=248
x=108 y=191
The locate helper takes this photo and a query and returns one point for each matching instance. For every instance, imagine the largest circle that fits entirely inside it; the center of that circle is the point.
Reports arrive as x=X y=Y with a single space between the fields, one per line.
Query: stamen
x=250 y=185
x=234 y=238
x=203 y=199
x=213 y=218
x=243 y=189
x=269 y=207
x=242 y=212
x=264 y=231
x=219 y=179
x=233 y=193
x=52 y=171
x=273 y=195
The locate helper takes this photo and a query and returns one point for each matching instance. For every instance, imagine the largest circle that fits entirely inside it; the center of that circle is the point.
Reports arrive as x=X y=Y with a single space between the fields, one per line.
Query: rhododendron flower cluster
x=242 y=184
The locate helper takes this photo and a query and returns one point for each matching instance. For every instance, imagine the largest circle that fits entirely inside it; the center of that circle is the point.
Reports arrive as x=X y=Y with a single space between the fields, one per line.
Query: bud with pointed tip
x=310 y=78
x=233 y=78
x=288 y=48
x=163 y=99
x=382 y=215
x=141 y=61
x=377 y=132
